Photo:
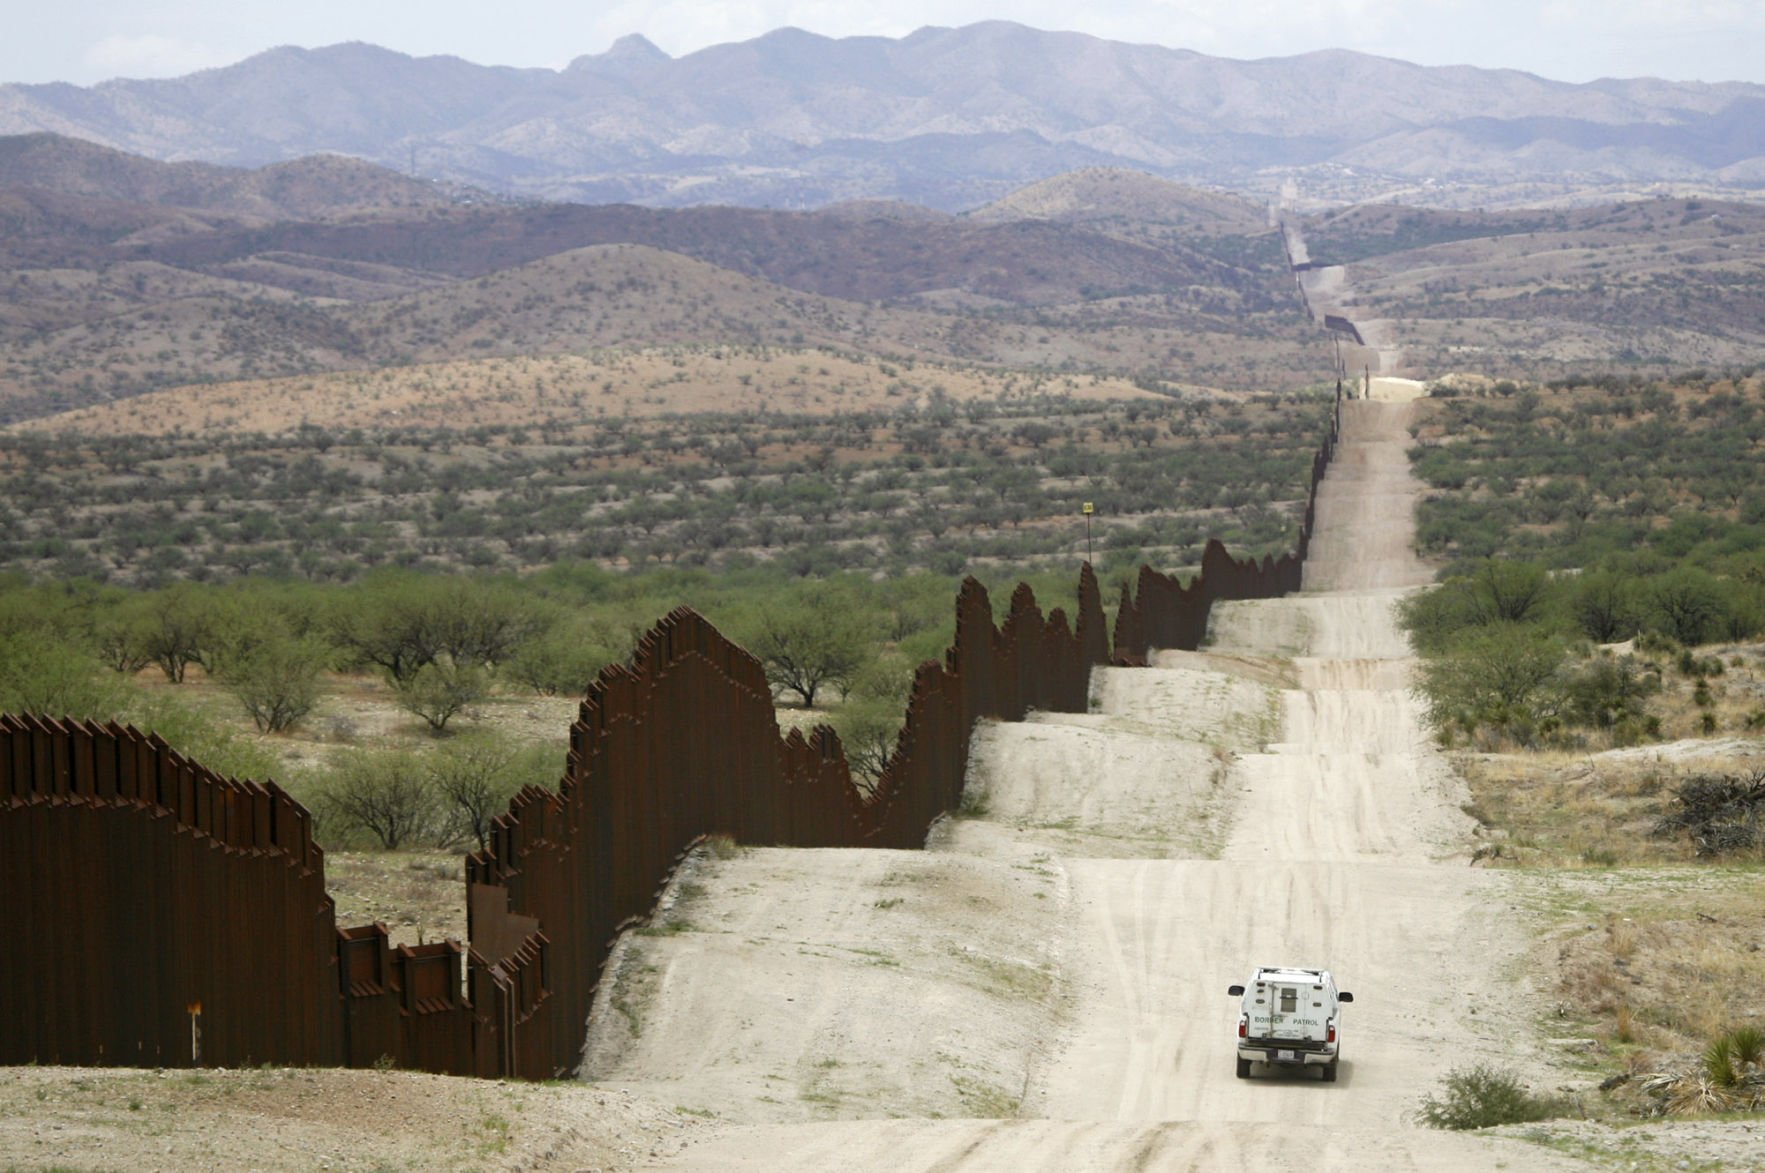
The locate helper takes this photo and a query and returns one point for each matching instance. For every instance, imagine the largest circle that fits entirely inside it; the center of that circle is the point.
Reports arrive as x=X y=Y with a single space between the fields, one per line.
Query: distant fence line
x=157 y=914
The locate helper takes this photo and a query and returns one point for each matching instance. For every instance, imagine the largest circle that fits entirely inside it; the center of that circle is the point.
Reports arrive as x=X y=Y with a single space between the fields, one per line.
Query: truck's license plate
x=1284 y=1056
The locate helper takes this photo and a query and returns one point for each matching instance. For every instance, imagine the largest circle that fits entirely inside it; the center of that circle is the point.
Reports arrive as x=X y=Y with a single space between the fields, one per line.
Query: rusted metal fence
x=157 y=914
x=154 y=914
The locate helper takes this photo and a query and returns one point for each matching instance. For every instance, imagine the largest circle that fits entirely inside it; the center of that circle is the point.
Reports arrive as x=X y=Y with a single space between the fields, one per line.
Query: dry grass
x=1564 y=810
x=1654 y=952
x=1736 y=698
x=1656 y=963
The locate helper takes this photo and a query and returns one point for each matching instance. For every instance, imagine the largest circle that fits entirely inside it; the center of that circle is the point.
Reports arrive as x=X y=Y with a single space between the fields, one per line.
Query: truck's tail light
x=1243 y=1027
x=1330 y=1031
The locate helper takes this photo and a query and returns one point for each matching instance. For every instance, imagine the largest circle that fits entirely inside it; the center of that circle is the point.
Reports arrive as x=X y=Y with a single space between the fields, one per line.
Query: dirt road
x=1328 y=291
x=1059 y=959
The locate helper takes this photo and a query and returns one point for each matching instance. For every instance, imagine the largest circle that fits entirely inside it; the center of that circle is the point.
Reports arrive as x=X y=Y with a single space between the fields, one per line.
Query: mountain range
x=944 y=118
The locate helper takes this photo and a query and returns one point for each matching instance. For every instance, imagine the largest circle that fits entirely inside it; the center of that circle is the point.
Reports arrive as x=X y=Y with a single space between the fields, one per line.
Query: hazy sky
x=86 y=41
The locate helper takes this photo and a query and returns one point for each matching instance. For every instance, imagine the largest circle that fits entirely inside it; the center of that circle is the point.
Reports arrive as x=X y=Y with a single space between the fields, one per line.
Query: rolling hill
x=1642 y=285
x=313 y=187
x=110 y=286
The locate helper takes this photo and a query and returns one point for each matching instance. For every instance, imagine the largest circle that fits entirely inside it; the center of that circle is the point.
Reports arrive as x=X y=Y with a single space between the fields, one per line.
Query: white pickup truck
x=1290 y=1018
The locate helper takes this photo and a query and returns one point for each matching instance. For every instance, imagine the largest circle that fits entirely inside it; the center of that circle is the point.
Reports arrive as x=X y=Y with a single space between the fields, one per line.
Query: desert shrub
x=475 y=776
x=277 y=681
x=1657 y=643
x=1636 y=731
x=200 y=738
x=1721 y=812
x=388 y=796
x=46 y=675
x=1483 y=1097
x=1607 y=690
x=440 y=690
x=1698 y=666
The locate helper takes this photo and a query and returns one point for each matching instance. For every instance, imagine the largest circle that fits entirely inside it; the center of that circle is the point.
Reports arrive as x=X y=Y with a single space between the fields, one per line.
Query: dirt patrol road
x=1044 y=989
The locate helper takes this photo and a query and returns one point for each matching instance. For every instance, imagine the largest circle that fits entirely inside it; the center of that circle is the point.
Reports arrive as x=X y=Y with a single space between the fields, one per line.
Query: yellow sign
x=1088 y=509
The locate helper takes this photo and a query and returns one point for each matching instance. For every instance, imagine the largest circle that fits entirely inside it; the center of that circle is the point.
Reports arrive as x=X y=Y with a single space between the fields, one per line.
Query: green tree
x=176 y=627
x=564 y=658
x=870 y=717
x=1687 y=603
x=403 y=622
x=119 y=636
x=1497 y=676
x=821 y=636
x=46 y=675
x=482 y=623
x=1743 y=611
x=1435 y=618
x=1605 y=607
x=387 y=623
x=1509 y=591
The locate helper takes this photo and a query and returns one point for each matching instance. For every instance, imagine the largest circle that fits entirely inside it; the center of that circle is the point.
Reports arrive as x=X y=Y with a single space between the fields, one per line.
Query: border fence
x=157 y=914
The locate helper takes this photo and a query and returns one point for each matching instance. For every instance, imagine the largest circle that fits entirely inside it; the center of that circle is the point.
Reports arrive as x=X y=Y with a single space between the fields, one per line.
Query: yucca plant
x=1719 y=1062
x=1699 y=1096
x=1748 y=1043
x=1726 y=1059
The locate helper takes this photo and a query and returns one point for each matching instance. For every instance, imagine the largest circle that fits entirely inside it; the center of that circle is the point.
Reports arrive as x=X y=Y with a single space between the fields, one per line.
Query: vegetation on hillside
x=937 y=484
x=1582 y=515
x=1603 y=590
x=1648 y=285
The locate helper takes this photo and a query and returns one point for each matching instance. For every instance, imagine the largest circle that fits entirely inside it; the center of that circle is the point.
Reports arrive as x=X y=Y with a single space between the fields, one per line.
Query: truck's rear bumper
x=1277 y=1055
